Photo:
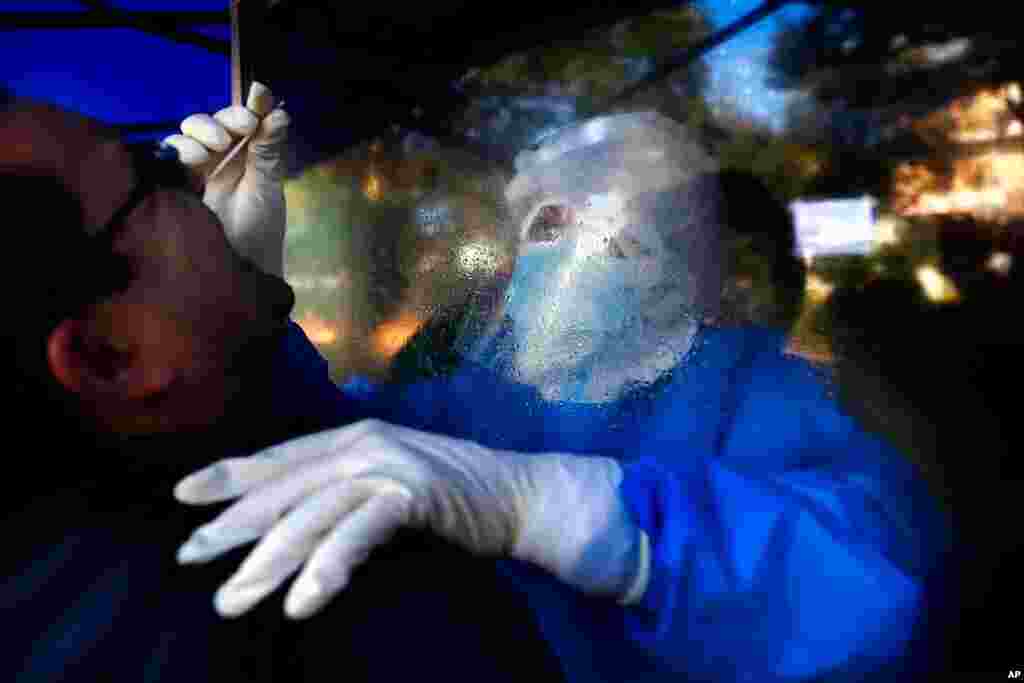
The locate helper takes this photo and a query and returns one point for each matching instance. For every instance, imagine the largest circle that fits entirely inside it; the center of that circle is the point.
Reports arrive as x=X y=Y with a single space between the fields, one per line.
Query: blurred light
x=390 y=336
x=1000 y=262
x=888 y=230
x=968 y=136
x=987 y=185
x=834 y=226
x=594 y=131
x=305 y=283
x=937 y=287
x=1013 y=93
x=371 y=188
x=987 y=200
x=817 y=289
x=321 y=332
x=478 y=258
x=942 y=53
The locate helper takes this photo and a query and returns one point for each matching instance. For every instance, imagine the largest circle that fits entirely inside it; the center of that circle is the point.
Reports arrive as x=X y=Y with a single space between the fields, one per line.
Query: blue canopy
x=62 y=51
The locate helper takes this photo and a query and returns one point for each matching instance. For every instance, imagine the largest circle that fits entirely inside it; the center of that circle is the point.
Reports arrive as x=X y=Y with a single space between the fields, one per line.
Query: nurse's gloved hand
x=248 y=194
x=325 y=501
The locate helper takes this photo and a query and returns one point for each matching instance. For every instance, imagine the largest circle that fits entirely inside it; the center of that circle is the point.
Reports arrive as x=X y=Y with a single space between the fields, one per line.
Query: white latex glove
x=248 y=194
x=328 y=499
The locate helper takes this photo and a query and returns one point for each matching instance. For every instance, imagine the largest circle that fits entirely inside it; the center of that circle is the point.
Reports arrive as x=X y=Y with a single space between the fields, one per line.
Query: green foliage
x=660 y=34
x=598 y=65
x=789 y=169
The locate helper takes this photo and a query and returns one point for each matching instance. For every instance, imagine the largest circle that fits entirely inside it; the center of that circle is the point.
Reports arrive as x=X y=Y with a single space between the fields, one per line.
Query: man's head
x=144 y=325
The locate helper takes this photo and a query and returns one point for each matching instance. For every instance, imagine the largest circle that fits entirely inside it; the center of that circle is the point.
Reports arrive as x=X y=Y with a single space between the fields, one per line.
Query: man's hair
x=750 y=214
x=751 y=209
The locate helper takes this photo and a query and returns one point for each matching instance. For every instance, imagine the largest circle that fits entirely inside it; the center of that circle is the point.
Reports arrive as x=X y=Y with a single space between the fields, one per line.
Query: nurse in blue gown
x=780 y=542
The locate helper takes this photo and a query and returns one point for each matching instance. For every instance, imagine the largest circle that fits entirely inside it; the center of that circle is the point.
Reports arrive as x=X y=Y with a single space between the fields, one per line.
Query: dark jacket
x=91 y=591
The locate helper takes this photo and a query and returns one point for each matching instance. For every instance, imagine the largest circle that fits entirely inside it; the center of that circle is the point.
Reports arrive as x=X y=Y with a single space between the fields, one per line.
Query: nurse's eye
x=549 y=224
x=634 y=248
x=613 y=248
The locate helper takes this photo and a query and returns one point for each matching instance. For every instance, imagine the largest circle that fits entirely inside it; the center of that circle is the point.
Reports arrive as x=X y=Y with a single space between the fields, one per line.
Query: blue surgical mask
x=566 y=308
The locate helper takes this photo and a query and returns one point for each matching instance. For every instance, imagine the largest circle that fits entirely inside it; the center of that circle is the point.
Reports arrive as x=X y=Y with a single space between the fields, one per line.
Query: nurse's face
x=592 y=250
x=585 y=280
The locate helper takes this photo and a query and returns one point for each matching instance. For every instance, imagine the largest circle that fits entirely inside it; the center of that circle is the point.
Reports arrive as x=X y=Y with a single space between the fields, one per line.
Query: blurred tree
x=790 y=167
x=515 y=101
x=605 y=61
x=898 y=58
x=866 y=70
x=892 y=82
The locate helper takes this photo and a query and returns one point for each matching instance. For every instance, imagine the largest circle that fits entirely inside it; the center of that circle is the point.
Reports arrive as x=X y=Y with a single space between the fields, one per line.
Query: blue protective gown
x=787 y=543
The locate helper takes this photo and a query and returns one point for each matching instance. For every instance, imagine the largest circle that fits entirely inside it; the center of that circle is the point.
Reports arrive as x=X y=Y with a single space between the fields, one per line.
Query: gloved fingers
x=260 y=100
x=234 y=477
x=259 y=166
x=266 y=149
x=273 y=128
x=286 y=547
x=310 y=520
x=347 y=546
x=238 y=121
x=235 y=597
x=255 y=514
x=209 y=132
x=211 y=541
x=191 y=152
x=225 y=479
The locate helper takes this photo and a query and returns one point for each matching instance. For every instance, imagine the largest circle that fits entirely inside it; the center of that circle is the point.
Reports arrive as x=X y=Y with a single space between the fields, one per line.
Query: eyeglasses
x=157 y=166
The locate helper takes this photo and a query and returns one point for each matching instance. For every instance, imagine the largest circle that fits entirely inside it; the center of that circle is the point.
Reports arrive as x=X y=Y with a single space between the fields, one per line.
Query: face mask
x=568 y=306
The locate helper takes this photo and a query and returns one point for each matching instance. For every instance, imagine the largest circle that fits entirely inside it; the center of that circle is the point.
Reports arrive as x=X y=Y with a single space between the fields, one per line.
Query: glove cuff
x=638 y=587
x=577 y=527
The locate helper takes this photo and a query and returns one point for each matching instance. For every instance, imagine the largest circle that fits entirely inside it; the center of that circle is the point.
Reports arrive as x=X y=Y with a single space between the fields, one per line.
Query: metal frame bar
x=153 y=28
x=237 y=77
x=245 y=21
x=144 y=128
x=168 y=25
x=247 y=29
x=12 y=21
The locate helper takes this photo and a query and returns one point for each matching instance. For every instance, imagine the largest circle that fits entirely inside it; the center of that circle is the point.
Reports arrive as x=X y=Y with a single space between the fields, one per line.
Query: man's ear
x=95 y=366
